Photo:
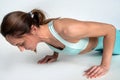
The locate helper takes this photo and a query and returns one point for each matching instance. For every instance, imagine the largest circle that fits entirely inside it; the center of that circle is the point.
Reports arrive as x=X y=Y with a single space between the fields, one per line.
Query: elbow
x=110 y=30
x=113 y=29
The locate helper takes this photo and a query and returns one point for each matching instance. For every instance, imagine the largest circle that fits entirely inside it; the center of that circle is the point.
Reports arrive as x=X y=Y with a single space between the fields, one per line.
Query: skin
x=71 y=30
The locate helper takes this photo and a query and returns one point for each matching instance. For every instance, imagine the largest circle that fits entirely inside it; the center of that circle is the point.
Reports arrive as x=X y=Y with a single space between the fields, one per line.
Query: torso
x=57 y=44
x=91 y=45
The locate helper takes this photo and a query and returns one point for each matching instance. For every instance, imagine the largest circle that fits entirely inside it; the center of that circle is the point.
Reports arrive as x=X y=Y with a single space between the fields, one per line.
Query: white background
x=15 y=65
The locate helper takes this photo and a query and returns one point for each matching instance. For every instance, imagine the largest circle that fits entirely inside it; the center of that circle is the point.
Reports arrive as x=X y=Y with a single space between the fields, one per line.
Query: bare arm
x=109 y=40
x=83 y=29
x=102 y=69
x=108 y=31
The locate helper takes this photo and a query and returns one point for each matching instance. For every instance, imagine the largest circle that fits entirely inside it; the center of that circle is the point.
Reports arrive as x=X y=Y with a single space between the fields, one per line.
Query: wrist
x=105 y=66
x=105 y=63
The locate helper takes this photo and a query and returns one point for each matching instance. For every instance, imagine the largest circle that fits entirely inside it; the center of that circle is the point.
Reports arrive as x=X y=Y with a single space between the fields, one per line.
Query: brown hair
x=18 y=23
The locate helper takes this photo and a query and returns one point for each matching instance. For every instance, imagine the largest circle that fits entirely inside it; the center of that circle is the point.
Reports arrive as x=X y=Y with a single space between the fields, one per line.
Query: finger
x=43 y=60
x=100 y=74
x=87 y=71
x=46 y=60
x=51 y=60
x=93 y=73
x=91 y=70
x=40 y=61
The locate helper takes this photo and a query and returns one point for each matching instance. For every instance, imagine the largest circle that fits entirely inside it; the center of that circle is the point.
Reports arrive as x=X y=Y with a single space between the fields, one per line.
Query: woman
x=63 y=35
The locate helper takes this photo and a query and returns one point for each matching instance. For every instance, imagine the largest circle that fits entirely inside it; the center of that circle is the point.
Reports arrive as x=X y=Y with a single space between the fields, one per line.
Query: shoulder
x=68 y=26
x=67 y=23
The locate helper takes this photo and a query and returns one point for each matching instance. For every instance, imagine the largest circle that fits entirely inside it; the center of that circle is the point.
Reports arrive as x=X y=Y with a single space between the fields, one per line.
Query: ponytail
x=39 y=17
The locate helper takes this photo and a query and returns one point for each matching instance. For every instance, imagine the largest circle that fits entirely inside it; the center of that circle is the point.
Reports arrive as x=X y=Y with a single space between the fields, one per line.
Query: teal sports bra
x=70 y=48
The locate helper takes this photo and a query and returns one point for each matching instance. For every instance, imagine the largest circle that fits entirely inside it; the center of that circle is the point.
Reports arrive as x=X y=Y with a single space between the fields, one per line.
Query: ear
x=33 y=29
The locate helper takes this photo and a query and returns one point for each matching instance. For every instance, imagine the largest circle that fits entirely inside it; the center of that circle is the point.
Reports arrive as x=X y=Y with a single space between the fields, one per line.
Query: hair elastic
x=31 y=14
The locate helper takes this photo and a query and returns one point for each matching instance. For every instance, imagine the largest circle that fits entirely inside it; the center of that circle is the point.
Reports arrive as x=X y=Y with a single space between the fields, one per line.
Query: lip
x=28 y=49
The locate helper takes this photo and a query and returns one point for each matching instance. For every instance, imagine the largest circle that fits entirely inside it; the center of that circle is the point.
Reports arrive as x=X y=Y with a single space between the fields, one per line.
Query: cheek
x=31 y=43
x=35 y=44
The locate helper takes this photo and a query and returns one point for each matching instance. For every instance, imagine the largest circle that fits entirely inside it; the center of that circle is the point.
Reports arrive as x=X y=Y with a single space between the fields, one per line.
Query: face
x=26 y=42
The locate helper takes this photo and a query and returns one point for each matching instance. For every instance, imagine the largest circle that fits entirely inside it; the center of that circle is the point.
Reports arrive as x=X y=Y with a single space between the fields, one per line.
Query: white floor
x=15 y=65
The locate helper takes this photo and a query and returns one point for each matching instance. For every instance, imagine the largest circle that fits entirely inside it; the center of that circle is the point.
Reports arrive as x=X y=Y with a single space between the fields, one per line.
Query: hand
x=48 y=59
x=96 y=71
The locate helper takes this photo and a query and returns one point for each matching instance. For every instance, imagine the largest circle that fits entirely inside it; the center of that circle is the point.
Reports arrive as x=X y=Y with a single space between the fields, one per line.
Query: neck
x=44 y=34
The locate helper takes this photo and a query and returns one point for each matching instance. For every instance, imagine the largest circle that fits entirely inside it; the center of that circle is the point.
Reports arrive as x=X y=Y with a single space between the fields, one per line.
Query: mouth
x=28 y=49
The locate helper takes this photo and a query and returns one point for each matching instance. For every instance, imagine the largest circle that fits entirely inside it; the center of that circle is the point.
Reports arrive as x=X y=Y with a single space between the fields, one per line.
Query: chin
x=33 y=49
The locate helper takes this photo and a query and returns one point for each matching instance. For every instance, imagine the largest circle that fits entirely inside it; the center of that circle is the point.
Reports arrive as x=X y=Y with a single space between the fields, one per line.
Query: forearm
x=109 y=40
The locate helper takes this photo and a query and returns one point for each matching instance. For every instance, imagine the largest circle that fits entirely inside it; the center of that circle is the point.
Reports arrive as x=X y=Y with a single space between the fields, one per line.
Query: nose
x=21 y=48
